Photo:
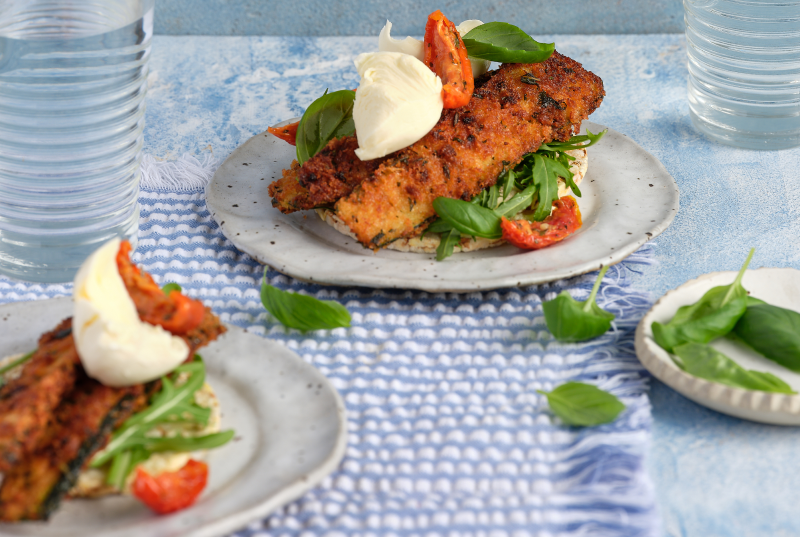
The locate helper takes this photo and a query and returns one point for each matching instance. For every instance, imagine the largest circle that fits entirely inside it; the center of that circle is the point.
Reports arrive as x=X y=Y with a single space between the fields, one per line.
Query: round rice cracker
x=430 y=242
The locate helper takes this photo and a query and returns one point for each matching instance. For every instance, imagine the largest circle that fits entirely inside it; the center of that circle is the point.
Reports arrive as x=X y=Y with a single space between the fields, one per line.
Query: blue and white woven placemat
x=448 y=436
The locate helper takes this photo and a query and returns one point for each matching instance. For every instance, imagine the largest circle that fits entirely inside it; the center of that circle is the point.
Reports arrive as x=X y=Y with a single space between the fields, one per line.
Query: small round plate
x=777 y=286
x=628 y=198
x=290 y=428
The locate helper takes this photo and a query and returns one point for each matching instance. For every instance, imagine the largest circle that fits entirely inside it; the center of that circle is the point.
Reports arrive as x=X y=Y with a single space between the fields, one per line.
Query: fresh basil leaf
x=469 y=219
x=503 y=42
x=773 y=332
x=439 y=226
x=708 y=363
x=582 y=404
x=303 y=312
x=171 y=286
x=571 y=321
x=329 y=117
x=713 y=316
x=447 y=242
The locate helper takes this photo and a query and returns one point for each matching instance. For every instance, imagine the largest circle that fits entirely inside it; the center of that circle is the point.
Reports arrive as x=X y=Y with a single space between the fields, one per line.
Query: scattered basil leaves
x=470 y=219
x=706 y=362
x=171 y=286
x=571 y=321
x=771 y=331
x=714 y=315
x=329 y=117
x=503 y=42
x=294 y=310
x=582 y=404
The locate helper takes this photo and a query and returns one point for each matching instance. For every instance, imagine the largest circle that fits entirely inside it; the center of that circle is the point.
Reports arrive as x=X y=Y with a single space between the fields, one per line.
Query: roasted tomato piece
x=562 y=222
x=446 y=56
x=287 y=133
x=170 y=491
x=176 y=313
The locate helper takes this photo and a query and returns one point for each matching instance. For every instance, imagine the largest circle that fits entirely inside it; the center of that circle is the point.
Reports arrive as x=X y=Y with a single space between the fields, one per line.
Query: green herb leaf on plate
x=506 y=43
x=771 y=331
x=571 y=321
x=582 y=404
x=447 y=243
x=708 y=363
x=470 y=219
x=713 y=316
x=12 y=364
x=171 y=286
x=303 y=312
x=329 y=117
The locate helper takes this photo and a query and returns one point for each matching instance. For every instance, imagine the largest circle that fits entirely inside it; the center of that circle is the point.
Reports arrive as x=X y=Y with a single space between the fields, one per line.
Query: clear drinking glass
x=73 y=77
x=744 y=71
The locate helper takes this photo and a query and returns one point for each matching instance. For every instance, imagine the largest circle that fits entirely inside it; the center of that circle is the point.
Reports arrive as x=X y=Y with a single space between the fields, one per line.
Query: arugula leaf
x=582 y=404
x=302 y=312
x=468 y=218
x=329 y=117
x=771 y=331
x=714 y=315
x=708 y=363
x=171 y=286
x=14 y=363
x=545 y=178
x=447 y=243
x=132 y=442
x=503 y=42
x=571 y=321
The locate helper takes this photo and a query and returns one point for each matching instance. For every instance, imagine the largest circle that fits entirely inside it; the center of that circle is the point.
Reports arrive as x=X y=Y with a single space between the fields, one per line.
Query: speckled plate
x=628 y=198
x=290 y=433
x=777 y=286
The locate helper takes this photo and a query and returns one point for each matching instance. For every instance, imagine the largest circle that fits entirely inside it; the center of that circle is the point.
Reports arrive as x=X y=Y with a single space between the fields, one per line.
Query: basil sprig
x=503 y=42
x=533 y=180
x=713 y=316
x=771 y=331
x=133 y=443
x=571 y=321
x=706 y=362
x=582 y=404
x=302 y=312
x=329 y=117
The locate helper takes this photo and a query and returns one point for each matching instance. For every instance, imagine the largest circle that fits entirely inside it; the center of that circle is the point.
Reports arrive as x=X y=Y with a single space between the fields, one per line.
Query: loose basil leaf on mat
x=569 y=320
x=329 y=117
x=303 y=312
x=773 y=332
x=708 y=363
x=714 y=315
x=447 y=243
x=469 y=219
x=171 y=286
x=582 y=404
x=503 y=42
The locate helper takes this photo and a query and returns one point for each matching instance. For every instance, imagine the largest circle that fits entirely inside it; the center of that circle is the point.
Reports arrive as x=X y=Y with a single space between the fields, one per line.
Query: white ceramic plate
x=628 y=198
x=290 y=433
x=777 y=286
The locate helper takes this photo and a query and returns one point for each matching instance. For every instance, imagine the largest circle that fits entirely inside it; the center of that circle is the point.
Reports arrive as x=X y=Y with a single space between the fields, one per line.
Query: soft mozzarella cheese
x=478 y=66
x=115 y=346
x=409 y=45
x=398 y=101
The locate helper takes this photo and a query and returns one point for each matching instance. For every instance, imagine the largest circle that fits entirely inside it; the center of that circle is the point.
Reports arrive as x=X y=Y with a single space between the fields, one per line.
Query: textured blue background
x=366 y=17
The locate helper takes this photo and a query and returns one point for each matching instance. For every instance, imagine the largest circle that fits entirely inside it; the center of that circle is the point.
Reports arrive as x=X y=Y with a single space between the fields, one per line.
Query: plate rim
x=296 y=489
x=763 y=407
x=672 y=197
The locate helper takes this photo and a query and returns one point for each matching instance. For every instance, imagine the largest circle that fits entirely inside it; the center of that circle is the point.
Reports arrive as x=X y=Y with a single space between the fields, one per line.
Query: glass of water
x=73 y=77
x=744 y=71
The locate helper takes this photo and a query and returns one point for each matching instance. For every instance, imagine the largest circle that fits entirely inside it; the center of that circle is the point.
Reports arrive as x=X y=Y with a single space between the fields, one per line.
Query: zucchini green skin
x=33 y=489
